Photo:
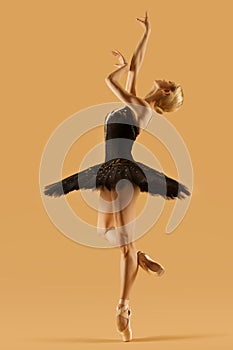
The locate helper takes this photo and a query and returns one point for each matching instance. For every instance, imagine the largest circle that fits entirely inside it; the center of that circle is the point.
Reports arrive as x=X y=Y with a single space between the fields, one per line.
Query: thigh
x=124 y=203
x=124 y=210
x=105 y=210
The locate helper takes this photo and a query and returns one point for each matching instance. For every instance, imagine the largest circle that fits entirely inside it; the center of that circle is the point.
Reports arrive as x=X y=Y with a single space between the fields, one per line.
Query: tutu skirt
x=109 y=173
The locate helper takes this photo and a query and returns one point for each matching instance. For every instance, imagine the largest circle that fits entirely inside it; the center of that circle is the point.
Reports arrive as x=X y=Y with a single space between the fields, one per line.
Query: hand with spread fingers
x=145 y=22
x=122 y=62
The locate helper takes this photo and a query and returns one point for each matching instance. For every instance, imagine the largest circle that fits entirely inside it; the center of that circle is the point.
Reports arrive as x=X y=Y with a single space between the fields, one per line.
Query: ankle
x=123 y=302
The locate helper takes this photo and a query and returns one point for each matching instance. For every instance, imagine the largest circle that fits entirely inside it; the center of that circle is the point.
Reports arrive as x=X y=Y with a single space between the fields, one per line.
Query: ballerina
x=116 y=218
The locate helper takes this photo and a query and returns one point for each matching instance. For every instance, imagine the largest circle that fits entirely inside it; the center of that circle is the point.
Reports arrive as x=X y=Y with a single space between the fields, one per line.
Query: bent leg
x=105 y=221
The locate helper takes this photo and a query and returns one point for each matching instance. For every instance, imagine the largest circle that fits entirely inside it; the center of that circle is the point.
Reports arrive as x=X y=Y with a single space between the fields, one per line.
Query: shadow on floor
x=135 y=340
x=176 y=337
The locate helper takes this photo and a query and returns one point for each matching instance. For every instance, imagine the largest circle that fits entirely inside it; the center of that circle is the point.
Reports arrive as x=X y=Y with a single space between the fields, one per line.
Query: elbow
x=108 y=78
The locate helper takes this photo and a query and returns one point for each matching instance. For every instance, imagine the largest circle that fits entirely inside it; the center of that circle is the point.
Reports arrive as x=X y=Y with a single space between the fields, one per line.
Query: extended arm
x=140 y=107
x=138 y=57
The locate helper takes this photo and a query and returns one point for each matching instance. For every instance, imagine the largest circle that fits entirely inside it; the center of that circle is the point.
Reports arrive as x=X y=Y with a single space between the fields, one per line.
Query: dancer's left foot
x=149 y=265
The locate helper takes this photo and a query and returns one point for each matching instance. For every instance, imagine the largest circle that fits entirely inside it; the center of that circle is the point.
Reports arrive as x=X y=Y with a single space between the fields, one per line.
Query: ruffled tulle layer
x=109 y=173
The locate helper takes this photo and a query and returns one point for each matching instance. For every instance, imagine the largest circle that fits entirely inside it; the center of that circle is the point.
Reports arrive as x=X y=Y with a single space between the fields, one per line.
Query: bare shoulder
x=142 y=114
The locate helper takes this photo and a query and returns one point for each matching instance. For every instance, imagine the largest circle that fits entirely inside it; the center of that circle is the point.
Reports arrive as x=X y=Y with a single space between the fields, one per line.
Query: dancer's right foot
x=149 y=265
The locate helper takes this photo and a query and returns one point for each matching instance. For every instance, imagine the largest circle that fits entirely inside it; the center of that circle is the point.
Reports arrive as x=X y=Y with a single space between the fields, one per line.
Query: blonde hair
x=171 y=102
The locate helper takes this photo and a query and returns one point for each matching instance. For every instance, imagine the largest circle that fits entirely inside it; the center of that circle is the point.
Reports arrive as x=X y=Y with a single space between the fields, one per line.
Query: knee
x=127 y=249
x=101 y=231
x=109 y=234
x=124 y=250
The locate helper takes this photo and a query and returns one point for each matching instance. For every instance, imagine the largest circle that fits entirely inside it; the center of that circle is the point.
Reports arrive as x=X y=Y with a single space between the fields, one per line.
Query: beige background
x=57 y=294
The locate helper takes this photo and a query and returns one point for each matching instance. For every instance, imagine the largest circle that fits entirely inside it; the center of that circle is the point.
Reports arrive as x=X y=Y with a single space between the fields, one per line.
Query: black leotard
x=120 y=132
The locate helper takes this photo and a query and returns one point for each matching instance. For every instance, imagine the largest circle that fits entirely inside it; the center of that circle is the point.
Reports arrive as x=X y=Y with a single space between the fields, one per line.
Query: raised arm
x=138 y=56
x=140 y=107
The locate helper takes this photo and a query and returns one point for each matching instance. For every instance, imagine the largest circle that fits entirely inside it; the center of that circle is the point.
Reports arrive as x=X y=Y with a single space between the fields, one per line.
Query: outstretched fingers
x=120 y=57
x=144 y=21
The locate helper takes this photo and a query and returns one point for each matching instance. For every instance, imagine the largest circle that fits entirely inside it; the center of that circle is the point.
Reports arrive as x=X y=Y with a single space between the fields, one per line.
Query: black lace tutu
x=120 y=134
x=109 y=173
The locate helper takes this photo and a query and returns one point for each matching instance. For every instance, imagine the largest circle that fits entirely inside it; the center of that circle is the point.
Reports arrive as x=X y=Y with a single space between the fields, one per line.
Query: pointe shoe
x=124 y=311
x=149 y=265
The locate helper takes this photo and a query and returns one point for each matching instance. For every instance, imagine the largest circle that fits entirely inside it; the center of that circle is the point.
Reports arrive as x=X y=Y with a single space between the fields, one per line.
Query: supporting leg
x=125 y=216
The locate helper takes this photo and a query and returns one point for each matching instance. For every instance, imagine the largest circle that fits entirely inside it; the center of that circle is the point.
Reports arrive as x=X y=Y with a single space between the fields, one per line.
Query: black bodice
x=120 y=131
